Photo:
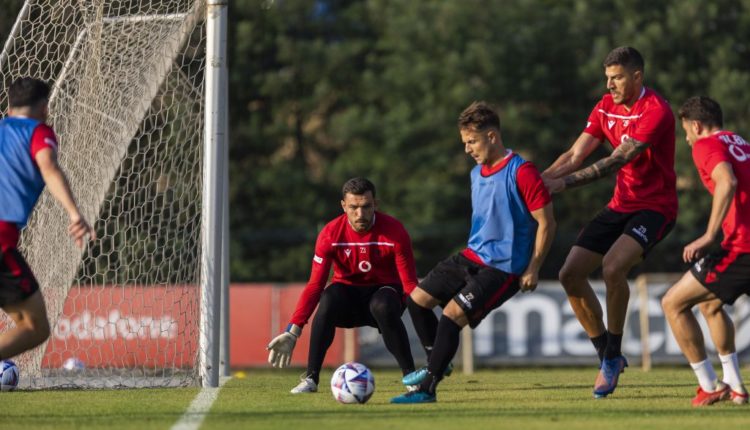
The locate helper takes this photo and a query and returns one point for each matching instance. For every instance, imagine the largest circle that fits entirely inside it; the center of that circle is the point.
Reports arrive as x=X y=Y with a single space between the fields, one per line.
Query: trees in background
x=324 y=90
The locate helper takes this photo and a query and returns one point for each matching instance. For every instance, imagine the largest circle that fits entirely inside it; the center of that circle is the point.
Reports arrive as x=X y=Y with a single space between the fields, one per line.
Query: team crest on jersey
x=625 y=122
x=610 y=123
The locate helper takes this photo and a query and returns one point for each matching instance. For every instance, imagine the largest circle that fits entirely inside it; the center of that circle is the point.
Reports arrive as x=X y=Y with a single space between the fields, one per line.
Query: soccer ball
x=352 y=383
x=8 y=375
x=73 y=365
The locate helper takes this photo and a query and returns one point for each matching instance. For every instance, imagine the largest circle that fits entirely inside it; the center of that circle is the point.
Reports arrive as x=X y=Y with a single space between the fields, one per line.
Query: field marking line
x=199 y=408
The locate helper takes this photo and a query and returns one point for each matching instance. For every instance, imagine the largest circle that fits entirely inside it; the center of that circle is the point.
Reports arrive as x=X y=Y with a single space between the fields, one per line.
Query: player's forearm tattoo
x=627 y=151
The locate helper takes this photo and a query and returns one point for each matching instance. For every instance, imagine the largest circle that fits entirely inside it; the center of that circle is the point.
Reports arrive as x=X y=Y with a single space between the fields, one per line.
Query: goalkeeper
x=28 y=162
x=373 y=274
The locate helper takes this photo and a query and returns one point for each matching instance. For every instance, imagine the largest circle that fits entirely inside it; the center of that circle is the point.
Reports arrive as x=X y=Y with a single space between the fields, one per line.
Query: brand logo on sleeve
x=317 y=259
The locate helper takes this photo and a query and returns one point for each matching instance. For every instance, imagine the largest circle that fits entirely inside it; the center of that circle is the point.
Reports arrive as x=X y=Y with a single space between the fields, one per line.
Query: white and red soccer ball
x=352 y=383
x=8 y=375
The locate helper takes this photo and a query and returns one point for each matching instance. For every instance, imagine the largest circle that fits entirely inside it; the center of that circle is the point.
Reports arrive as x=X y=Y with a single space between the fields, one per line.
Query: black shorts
x=724 y=273
x=476 y=288
x=17 y=283
x=352 y=303
x=647 y=228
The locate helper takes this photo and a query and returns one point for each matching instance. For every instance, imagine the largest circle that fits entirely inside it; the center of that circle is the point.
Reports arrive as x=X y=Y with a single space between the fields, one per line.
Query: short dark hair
x=478 y=116
x=703 y=109
x=27 y=92
x=357 y=186
x=626 y=57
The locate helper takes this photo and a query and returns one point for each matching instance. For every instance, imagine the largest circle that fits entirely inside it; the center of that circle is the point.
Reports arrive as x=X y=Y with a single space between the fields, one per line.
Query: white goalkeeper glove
x=281 y=346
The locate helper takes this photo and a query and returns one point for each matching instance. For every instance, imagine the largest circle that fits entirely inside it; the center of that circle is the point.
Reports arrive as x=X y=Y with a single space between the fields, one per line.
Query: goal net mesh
x=127 y=106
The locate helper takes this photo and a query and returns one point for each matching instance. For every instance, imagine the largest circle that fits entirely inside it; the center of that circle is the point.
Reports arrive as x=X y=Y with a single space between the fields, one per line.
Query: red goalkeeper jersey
x=379 y=256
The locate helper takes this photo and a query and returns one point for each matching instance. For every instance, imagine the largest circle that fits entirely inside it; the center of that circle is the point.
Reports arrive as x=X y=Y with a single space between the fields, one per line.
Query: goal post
x=143 y=142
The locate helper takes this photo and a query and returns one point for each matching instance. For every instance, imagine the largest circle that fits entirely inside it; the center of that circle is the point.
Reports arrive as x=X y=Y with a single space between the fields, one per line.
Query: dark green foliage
x=325 y=90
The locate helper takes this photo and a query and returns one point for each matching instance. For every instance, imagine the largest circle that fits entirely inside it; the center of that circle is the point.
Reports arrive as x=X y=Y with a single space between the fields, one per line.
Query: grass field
x=490 y=399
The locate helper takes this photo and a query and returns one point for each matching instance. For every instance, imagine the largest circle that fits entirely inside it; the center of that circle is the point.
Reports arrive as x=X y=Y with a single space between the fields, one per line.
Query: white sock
x=706 y=376
x=731 y=369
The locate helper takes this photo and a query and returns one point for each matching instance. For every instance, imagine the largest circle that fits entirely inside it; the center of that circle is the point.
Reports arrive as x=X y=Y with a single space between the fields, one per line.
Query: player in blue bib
x=512 y=227
x=28 y=162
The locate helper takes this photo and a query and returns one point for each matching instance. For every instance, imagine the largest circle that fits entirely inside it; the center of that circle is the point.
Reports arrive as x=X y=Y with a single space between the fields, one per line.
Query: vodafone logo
x=113 y=325
x=365 y=266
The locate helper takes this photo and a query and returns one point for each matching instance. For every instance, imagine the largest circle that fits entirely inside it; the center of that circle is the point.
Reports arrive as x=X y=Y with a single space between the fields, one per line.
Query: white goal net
x=127 y=105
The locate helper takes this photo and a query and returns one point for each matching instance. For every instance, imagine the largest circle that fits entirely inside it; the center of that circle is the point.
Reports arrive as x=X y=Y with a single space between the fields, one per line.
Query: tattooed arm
x=627 y=151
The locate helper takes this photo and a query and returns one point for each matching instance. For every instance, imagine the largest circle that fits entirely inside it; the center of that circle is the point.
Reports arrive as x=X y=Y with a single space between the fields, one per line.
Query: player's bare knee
x=670 y=305
x=711 y=308
x=571 y=278
x=455 y=313
x=613 y=273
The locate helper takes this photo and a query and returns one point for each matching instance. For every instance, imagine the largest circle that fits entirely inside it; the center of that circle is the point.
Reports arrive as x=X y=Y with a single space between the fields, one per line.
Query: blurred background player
x=640 y=126
x=28 y=161
x=512 y=227
x=721 y=158
x=373 y=272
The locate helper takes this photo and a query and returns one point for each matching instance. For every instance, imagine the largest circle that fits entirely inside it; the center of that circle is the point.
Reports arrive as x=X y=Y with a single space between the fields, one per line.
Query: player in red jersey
x=639 y=125
x=28 y=162
x=373 y=273
x=723 y=162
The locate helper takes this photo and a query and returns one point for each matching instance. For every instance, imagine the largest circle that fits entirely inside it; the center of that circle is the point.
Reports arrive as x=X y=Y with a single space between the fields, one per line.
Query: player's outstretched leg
x=426 y=325
x=446 y=345
x=31 y=326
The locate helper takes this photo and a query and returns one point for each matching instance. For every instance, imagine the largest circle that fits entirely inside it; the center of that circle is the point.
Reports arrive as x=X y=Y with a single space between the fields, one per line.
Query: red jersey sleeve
x=531 y=186
x=43 y=137
x=407 y=271
x=321 y=268
x=651 y=124
x=593 y=124
x=707 y=153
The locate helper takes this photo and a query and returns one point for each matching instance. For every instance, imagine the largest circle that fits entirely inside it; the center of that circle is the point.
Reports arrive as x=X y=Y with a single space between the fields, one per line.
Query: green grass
x=491 y=399
x=143 y=409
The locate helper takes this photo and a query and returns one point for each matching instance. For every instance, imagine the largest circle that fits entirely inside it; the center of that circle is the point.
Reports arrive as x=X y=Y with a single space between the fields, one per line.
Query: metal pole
x=214 y=141
x=467 y=350
x=225 y=364
x=641 y=283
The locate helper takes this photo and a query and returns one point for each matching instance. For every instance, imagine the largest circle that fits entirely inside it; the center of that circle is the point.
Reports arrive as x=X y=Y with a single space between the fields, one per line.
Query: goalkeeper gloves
x=281 y=346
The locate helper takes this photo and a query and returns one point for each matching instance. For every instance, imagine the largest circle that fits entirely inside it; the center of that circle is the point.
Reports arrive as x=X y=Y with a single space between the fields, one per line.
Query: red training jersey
x=379 y=256
x=649 y=180
x=725 y=146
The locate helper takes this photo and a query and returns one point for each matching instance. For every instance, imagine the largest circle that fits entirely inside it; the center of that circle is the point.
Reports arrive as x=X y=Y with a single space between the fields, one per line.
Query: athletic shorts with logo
x=647 y=228
x=476 y=288
x=17 y=283
x=352 y=303
x=724 y=273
